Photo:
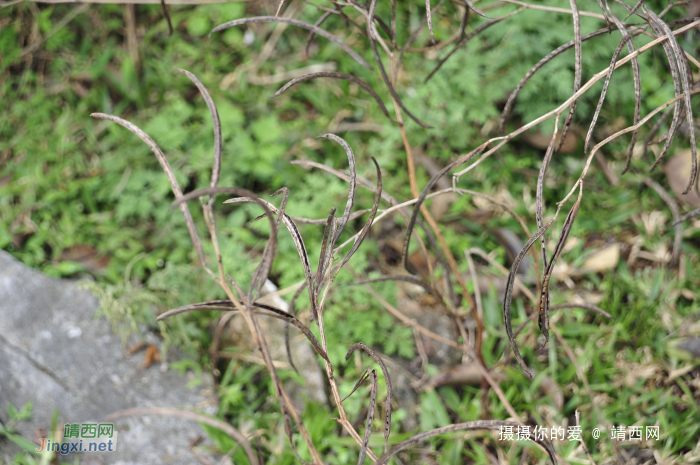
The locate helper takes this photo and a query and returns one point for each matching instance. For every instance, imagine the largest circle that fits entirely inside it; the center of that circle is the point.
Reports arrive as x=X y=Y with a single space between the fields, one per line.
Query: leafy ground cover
x=81 y=196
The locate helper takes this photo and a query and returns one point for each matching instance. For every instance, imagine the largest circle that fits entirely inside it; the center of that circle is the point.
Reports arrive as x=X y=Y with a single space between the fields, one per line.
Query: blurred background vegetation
x=82 y=197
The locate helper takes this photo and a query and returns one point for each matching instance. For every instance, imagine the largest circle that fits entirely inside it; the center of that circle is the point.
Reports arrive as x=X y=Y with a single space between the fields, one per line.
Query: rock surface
x=56 y=354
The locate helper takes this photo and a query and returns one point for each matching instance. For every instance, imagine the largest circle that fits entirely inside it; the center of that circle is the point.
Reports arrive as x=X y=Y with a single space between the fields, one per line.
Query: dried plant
x=330 y=261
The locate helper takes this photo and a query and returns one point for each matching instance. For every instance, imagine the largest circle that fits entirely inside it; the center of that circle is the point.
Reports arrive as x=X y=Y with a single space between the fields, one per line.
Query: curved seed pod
x=298 y=241
x=637 y=90
x=168 y=171
x=424 y=194
x=654 y=129
x=389 y=390
x=466 y=39
x=387 y=81
x=263 y=269
x=491 y=425
x=359 y=382
x=268 y=255
x=402 y=211
x=164 y=9
x=227 y=305
x=430 y=20
x=347 y=77
x=353 y=184
x=539 y=196
x=216 y=169
x=509 y=295
x=475 y=9
x=368 y=224
x=539 y=203
x=668 y=50
x=283 y=205
x=544 y=297
x=681 y=61
x=605 y=13
x=414 y=34
x=554 y=53
x=325 y=256
x=601 y=99
x=300 y=220
x=310 y=37
x=686 y=217
x=634 y=10
x=553 y=309
x=294 y=22
x=577 y=71
x=370 y=416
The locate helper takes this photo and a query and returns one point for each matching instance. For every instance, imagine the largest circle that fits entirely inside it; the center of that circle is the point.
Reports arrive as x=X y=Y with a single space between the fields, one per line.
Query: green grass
x=67 y=180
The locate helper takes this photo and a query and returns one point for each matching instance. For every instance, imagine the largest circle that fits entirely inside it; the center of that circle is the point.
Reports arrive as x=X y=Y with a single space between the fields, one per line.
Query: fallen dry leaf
x=604 y=259
x=87 y=255
x=678 y=172
x=152 y=356
x=135 y=348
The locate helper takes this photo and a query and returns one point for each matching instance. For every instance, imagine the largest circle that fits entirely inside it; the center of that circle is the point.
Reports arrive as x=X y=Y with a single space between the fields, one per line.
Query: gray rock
x=56 y=354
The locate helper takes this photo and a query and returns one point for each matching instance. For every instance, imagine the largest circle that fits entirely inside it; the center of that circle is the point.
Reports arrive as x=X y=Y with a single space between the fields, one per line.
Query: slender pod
x=370 y=416
x=389 y=390
x=227 y=305
x=294 y=22
x=346 y=77
x=577 y=70
x=298 y=242
x=507 y=300
x=371 y=31
x=353 y=184
x=544 y=293
x=683 y=70
x=169 y=173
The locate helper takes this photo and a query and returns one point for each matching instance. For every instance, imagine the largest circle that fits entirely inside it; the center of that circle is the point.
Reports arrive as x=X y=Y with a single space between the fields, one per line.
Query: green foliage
x=68 y=180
